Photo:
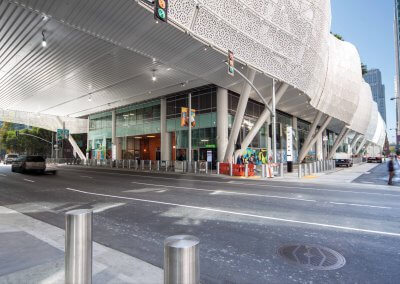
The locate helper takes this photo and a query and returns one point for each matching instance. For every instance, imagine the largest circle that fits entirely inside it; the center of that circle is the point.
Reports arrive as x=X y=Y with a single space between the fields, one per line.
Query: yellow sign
x=185 y=117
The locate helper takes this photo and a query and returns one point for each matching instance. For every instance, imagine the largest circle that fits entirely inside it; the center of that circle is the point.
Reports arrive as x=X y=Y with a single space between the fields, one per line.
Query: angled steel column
x=72 y=141
x=262 y=119
x=310 y=136
x=339 y=140
x=354 y=142
x=274 y=121
x=360 y=147
x=304 y=149
x=237 y=123
x=166 y=153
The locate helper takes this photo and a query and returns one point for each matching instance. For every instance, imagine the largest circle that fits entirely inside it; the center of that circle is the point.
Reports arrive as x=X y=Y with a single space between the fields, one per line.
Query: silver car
x=10 y=158
x=29 y=164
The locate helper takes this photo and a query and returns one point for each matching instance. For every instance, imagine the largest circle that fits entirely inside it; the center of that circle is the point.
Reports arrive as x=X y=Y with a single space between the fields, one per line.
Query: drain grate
x=312 y=257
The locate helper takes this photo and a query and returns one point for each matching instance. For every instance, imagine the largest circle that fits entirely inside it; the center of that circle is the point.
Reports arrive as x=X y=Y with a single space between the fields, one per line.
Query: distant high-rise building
x=374 y=79
x=397 y=79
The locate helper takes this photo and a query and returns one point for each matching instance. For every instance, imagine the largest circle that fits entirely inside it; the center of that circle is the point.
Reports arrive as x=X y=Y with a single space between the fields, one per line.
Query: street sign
x=231 y=63
x=60 y=135
x=161 y=10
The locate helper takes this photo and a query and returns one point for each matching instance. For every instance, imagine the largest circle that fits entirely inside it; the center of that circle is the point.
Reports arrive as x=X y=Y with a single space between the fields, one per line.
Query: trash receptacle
x=290 y=167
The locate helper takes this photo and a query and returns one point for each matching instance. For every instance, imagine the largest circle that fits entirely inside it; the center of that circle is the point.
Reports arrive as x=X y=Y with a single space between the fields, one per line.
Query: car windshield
x=12 y=156
x=34 y=159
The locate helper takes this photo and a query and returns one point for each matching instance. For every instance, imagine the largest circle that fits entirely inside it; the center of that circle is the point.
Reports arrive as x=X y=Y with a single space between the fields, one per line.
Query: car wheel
x=13 y=170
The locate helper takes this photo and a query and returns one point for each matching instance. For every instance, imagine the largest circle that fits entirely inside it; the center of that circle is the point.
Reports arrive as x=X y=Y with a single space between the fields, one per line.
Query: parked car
x=30 y=164
x=374 y=160
x=343 y=159
x=10 y=158
x=344 y=162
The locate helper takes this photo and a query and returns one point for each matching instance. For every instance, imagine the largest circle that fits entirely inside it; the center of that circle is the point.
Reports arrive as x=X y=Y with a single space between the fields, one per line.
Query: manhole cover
x=312 y=257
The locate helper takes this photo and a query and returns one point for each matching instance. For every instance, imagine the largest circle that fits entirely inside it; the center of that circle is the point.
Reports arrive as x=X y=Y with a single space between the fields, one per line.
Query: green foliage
x=338 y=36
x=25 y=144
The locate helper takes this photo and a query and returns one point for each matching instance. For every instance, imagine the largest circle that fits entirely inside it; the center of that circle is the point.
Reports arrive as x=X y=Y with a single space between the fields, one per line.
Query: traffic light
x=161 y=10
x=231 y=63
x=17 y=133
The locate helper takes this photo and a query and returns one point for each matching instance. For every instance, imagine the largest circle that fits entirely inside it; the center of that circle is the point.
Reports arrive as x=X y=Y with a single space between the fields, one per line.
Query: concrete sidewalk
x=338 y=175
x=32 y=251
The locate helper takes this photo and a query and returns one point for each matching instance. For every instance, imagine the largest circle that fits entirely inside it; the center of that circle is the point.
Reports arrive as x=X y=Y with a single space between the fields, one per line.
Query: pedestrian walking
x=391 y=171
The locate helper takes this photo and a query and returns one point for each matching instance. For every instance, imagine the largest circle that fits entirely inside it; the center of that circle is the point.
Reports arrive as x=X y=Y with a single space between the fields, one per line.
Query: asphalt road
x=241 y=224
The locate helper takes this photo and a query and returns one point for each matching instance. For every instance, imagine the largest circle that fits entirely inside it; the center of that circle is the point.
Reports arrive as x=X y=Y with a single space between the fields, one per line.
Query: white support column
x=87 y=139
x=237 y=123
x=166 y=153
x=190 y=130
x=222 y=122
x=274 y=121
x=113 y=134
x=306 y=146
x=339 y=140
x=262 y=119
x=318 y=146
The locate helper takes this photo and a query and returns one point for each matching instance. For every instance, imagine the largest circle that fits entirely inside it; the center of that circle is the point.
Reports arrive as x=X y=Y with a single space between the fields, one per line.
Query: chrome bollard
x=300 y=171
x=158 y=165
x=263 y=171
x=217 y=168
x=181 y=260
x=150 y=165
x=206 y=167
x=78 y=247
x=246 y=170
x=195 y=167
x=231 y=169
x=281 y=170
x=142 y=165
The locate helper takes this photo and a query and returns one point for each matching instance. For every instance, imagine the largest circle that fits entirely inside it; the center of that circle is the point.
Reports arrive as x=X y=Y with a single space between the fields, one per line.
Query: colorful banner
x=185 y=117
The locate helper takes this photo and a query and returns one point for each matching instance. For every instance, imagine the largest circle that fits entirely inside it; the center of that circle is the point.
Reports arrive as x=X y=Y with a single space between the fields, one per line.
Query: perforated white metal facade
x=104 y=49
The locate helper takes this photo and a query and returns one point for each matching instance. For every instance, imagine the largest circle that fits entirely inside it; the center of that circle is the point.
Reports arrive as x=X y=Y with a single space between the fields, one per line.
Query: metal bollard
x=206 y=167
x=78 y=247
x=281 y=170
x=158 y=165
x=142 y=165
x=181 y=260
x=246 y=170
x=217 y=168
x=166 y=166
x=195 y=167
x=150 y=165
x=230 y=169
x=263 y=175
x=300 y=171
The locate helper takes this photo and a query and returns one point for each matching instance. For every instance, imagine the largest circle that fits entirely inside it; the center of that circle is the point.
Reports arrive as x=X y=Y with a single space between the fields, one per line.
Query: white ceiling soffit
x=99 y=27
x=49 y=122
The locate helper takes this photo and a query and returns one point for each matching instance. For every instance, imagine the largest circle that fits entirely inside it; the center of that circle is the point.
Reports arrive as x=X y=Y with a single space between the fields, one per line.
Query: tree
x=364 y=69
x=338 y=36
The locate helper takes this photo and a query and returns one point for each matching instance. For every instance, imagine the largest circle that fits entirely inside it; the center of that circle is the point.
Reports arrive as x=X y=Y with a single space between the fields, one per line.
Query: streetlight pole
x=274 y=121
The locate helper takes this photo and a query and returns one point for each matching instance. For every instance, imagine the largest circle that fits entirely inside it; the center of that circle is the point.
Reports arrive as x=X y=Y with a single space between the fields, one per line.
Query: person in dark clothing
x=391 y=171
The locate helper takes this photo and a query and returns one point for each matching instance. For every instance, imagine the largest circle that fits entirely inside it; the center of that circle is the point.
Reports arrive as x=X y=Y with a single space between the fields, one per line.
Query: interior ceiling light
x=44 y=42
x=154 y=78
x=90 y=98
x=151 y=136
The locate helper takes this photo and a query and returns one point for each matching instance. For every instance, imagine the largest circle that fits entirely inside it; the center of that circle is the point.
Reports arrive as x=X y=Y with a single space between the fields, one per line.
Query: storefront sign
x=289 y=144
x=209 y=156
x=185 y=117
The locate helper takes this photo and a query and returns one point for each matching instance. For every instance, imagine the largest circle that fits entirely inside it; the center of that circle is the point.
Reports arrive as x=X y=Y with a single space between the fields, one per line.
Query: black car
x=344 y=162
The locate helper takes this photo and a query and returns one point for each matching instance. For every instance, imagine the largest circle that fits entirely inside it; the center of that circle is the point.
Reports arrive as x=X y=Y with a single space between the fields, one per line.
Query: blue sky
x=368 y=24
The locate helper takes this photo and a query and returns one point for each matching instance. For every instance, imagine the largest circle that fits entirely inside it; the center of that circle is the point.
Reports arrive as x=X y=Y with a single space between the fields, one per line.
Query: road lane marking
x=28 y=180
x=252 y=184
x=2 y=175
x=103 y=207
x=85 y=176
x=241 y=214
x=213 y=191
x=361 y=205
